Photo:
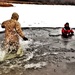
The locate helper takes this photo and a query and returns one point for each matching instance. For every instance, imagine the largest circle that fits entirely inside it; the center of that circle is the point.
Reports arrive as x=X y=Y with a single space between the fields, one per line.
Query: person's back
x=10 y=31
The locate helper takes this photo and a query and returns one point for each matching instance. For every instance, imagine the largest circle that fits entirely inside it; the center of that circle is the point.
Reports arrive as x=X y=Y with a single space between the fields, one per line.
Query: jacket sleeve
x=19 y=30
x=62 y=30
x=72 y=31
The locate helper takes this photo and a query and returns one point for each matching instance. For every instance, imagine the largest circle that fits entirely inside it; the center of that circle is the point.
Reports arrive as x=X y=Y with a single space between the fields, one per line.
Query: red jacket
x=67 y=31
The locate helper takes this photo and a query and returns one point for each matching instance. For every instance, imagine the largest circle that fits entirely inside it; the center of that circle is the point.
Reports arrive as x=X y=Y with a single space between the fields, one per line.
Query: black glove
x=25 y=38
x=72 y=33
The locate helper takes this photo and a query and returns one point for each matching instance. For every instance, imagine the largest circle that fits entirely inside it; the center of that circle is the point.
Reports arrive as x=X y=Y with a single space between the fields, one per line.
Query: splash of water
x=25 y=44
x=30 y=55
x=35 y=66
x=2 y=55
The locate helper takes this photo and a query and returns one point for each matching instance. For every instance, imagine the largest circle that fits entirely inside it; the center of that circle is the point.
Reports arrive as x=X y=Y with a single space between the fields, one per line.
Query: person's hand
x=25 y=38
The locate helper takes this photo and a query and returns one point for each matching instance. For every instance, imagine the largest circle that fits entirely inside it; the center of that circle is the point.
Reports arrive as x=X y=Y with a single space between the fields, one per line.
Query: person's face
x=66 y=25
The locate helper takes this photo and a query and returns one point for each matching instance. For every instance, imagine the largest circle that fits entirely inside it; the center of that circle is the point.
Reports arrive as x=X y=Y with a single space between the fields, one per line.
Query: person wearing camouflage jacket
x=13 y=31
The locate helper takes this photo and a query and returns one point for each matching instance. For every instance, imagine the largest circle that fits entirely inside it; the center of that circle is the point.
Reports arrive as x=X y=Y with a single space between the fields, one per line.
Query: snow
x=40 y=15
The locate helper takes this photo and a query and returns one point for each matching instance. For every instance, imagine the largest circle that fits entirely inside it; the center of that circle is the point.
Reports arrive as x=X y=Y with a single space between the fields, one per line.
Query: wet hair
x=67 y=27
x=15 y=16
x=67 y=23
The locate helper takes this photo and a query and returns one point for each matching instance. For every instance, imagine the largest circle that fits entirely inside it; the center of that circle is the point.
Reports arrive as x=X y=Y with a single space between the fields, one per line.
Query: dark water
x=46 y=46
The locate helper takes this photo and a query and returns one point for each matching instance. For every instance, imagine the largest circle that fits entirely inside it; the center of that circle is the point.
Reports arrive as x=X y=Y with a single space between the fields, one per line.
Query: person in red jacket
x=67 y=31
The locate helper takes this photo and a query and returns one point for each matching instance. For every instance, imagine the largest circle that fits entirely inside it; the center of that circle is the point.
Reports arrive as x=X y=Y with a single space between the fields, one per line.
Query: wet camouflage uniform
x=12 y=32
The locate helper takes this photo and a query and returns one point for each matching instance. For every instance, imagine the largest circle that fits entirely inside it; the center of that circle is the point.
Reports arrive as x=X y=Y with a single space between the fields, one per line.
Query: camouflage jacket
x=12 y=30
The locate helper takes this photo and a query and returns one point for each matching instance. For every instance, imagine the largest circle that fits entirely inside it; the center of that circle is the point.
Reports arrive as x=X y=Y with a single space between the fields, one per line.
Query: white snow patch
x=40 y=15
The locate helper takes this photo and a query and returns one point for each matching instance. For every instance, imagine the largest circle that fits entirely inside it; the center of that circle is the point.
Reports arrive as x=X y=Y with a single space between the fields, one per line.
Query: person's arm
x=64 y=31
x=19 y=31
x=72 y=32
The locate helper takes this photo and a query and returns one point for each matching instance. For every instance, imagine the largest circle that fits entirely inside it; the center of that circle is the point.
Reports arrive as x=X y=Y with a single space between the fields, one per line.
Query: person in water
x=12 y=32
x=67 y=31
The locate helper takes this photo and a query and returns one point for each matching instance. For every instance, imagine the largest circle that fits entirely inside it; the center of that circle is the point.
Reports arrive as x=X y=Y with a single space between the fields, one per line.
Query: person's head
x=15 y=16
x=67 y=26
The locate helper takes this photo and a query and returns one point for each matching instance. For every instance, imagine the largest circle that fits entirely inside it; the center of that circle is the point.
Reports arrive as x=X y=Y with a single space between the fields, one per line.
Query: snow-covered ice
x=40 y=15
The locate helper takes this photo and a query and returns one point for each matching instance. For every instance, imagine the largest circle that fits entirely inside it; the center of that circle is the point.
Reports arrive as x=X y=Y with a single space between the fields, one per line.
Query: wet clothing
x=12 y=32
x=66 y=32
